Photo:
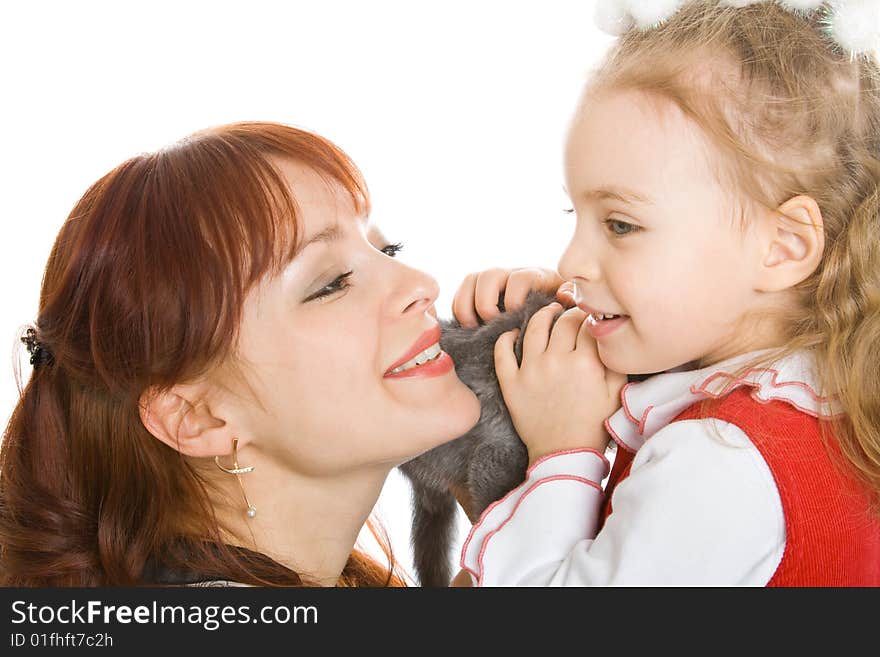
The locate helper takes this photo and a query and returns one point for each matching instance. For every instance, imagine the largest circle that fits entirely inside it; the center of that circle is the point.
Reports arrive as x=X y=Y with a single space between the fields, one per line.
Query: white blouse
x=700 y=506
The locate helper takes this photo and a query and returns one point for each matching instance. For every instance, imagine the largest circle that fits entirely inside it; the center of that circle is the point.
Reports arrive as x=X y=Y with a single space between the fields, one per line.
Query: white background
x=455 y=112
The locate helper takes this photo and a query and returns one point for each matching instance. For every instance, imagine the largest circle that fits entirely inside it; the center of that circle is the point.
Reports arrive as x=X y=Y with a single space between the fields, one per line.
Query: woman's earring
x=238 y=471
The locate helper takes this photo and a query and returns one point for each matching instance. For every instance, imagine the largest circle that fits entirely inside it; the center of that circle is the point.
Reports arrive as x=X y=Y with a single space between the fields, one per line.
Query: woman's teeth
x=421 y=358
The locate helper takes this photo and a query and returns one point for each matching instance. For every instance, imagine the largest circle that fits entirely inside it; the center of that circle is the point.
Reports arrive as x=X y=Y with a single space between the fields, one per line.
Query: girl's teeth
x=595 y=319
x=430 y=353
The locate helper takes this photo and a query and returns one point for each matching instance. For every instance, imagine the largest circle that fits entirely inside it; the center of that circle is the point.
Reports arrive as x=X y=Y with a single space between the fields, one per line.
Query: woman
x=224 y=374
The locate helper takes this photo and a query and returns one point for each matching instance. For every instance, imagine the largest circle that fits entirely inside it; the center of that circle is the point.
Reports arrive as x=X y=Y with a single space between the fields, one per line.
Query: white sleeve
x=700 y=507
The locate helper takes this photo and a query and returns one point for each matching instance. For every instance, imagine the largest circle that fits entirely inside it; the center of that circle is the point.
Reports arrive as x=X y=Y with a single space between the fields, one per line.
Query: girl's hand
x=561 y=395
x=478 y=295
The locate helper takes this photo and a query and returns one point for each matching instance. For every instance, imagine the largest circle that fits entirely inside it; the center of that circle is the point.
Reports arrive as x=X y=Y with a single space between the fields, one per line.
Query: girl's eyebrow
x=621 y=194
x=616 y=193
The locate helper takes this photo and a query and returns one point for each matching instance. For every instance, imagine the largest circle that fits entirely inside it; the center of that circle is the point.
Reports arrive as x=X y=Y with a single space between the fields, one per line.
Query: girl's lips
x=601 y=327
x=594 y=311
x=604 y=327
x=437 y=367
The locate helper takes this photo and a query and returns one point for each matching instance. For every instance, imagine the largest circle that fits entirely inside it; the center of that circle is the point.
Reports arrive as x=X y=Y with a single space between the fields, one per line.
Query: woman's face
x=321 y=338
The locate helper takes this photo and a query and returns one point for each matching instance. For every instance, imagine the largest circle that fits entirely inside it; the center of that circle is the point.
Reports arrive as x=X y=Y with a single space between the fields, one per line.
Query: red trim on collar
x=629 y=415
x=625 y=407
x=742 y=380
x=765 y=387
x=617 y=439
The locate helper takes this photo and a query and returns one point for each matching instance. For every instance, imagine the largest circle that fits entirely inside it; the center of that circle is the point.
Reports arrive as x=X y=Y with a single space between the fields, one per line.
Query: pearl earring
x=238 y=471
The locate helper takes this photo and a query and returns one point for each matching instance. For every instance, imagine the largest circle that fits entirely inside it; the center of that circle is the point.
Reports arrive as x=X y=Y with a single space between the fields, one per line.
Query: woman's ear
x=187 y=426
x=792 y=242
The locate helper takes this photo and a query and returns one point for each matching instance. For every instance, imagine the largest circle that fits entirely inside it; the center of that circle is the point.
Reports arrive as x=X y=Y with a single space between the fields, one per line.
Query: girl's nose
x=579 y=261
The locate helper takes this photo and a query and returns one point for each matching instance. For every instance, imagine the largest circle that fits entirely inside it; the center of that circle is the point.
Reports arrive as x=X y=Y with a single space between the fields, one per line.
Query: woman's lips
x=425 y=340
x=437 y=367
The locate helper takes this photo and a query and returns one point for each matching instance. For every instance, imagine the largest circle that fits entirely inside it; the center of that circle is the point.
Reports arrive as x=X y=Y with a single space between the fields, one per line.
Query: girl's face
x=321 y=338
x=656 y=239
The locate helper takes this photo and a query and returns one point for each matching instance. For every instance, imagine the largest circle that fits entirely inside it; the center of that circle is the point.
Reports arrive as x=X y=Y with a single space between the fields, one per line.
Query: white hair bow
x=852 y=24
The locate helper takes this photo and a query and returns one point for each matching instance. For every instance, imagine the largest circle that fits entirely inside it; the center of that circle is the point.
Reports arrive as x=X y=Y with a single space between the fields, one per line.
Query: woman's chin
x=462 y=413
x=453 y=417
x=474 y=407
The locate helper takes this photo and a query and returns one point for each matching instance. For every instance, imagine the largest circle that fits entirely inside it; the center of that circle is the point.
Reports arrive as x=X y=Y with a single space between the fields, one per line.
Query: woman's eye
x=392 y=249
x=621 y=228
x=337 y=285
x=568 y=210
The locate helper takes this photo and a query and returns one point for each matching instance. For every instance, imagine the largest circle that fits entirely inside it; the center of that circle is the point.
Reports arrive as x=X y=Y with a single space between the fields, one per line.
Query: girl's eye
x=392 y=249
x=621 y=228
x=337 y=285
x=568 y=210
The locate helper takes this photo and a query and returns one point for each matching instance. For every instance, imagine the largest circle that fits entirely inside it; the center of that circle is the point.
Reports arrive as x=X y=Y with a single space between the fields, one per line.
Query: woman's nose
x=414 y=291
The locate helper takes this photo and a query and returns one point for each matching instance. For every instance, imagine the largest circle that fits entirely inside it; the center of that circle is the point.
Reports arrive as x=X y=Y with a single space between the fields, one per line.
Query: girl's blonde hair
x=789 y=114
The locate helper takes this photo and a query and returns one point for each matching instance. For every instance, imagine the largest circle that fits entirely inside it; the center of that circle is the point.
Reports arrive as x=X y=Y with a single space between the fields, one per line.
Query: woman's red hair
x=143 y=289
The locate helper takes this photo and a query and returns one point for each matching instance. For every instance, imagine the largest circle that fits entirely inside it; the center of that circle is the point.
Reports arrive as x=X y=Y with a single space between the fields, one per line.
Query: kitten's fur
x=483 y=464
x=486 y=462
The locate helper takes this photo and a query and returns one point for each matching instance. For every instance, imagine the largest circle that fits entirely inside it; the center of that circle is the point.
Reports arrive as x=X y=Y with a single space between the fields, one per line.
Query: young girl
x=723 y=168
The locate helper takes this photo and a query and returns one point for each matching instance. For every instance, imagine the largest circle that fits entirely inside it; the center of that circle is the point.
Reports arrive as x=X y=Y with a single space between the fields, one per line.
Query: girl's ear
x=792 y=242
x=187 y=426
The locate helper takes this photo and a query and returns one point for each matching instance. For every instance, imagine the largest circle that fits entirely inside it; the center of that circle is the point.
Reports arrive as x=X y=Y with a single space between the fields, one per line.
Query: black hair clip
x=40 y=354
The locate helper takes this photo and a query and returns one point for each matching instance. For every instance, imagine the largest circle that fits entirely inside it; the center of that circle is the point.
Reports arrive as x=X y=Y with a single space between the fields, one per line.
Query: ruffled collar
x=649 y=405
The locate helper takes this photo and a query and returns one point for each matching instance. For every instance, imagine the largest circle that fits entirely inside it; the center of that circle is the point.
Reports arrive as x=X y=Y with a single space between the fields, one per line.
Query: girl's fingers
x=565 y=294
x=522 y=281
x=463 y=303
x=586 y=343
x=505 y=358
x=589 y=347
x=538 y=331
x=476 y=299
x=490 y=284
x=519 y=283
x=565 y=332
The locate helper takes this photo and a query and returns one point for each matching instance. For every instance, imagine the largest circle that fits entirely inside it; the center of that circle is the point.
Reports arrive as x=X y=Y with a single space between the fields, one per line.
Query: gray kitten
x=486 y=462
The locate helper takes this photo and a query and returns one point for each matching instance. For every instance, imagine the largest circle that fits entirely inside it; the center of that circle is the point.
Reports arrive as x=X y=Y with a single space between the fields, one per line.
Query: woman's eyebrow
x=374 y=230
x=329 y=234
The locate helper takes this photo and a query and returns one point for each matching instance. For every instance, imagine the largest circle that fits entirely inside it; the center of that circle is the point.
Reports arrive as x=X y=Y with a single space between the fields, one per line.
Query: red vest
x=831 y=537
